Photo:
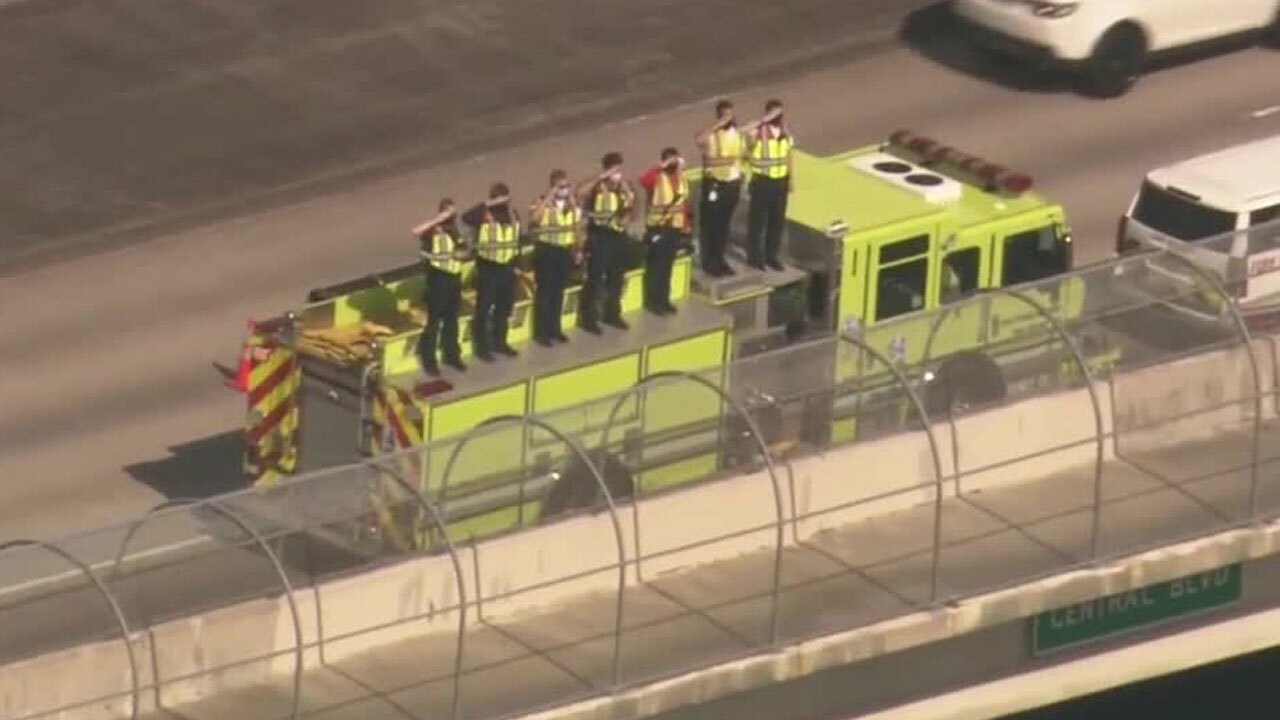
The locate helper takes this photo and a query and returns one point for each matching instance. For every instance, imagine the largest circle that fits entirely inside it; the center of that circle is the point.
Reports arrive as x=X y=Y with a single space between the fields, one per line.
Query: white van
x=1216 y=196
x=1232 y=189
x=1108 y=41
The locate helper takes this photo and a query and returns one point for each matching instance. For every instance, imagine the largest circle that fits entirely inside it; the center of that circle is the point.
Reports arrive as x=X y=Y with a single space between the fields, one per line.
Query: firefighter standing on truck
x=497 y=231
x=721 y=146
x=769 y=144
x=444 y=256
x=555 y=221
x=667 y=221
x=609 y=201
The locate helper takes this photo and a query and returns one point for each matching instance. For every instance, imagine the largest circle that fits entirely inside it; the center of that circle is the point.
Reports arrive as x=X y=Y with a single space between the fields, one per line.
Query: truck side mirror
x=1063 y=233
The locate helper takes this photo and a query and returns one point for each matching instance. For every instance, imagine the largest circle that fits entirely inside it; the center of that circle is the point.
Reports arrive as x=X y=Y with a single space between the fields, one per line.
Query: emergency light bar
x=930 y=153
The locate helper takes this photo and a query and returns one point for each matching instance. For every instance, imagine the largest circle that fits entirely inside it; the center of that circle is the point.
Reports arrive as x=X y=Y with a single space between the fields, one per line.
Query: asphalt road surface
x=110 y=402
x=119 y=117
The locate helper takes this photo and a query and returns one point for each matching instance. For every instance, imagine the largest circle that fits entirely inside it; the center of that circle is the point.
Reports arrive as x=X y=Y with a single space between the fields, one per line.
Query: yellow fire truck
x=875 y=237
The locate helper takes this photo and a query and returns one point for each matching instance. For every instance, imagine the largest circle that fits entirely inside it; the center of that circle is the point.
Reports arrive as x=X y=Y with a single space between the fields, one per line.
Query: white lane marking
x=1256 y=114
x=100 y=566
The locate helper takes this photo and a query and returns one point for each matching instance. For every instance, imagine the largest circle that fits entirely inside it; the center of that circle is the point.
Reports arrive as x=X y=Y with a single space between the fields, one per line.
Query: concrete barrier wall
x=1034 y=438
x=252 y=642
x=365 y=611
x=513 y=575
x=1195 y=398
x=88 y=672
x=521 y=573
x=882 y=476
x=683 y=529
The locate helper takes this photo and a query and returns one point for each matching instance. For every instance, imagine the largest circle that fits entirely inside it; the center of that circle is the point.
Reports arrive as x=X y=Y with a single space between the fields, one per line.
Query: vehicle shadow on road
x=211 y=467
x=934 y=33
x=197 y=469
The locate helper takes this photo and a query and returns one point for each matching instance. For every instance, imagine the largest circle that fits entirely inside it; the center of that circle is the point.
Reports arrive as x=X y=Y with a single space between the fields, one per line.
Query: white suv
x=1106 y=41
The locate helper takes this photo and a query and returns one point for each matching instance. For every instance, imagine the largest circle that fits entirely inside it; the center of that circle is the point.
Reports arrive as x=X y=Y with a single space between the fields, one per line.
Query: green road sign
x=1141 y=607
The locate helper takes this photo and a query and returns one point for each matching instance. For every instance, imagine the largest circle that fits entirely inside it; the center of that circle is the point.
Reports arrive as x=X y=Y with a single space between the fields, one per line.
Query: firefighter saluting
x=667 y=222
x=556 y=224
x=721 y=146
x=445 y=257
x=497 y=231
x=609 y=202
x=769 y=145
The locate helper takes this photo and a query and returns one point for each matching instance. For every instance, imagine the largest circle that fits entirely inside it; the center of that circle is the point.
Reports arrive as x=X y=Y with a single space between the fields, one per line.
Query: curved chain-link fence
x=583 y=550
x=247 y=529
x=677 y=378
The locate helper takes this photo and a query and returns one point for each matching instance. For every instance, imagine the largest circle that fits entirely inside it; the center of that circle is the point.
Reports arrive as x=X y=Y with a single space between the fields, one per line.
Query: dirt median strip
x=139 y=117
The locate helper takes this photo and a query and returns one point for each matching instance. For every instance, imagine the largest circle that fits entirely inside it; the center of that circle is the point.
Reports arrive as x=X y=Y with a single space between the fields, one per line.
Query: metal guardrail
x=191 y=563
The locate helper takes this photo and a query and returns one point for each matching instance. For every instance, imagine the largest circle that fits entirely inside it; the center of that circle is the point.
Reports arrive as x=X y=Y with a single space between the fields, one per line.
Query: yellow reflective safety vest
x=441 y=251
x=498 y=242
x=769 y=155
x=557 y=225
x=666 y=207
x=606 y=210
x=724 y=157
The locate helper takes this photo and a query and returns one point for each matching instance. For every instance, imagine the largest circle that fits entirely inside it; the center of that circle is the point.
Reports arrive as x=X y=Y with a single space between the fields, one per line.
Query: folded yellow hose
x=347 y=345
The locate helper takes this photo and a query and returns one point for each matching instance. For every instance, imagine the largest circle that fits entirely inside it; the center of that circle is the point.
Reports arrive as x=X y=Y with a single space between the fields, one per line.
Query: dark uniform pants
x=767 y=213
x=551 y=267
x=662 y=243
x=606 y=269
x=719 y=200
x=495 y=298
x=443 y=297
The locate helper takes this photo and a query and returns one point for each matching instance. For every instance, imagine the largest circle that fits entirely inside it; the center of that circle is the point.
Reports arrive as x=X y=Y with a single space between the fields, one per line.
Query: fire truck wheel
x=1116 y=63
x=577 y=488
x=965 y=379
x=741 y=446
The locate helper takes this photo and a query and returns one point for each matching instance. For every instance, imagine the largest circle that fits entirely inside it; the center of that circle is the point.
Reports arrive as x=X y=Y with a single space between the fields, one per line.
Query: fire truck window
x=903 y=249
x=901 y=288
x=959 y=275
x=1033 y=255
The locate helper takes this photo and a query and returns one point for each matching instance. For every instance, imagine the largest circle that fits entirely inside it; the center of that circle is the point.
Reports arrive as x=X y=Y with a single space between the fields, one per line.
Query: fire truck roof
x=869 y=188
